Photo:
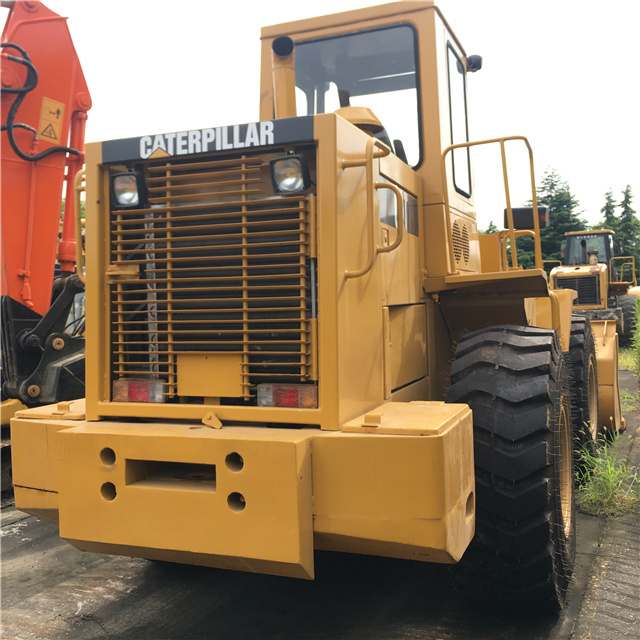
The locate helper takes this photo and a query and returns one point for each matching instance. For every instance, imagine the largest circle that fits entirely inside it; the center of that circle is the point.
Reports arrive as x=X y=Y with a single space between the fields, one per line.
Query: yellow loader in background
x=607 y=291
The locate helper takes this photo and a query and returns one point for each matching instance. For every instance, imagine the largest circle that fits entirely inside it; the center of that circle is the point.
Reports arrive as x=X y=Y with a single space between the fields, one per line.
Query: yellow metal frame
x=78 y=189
x=386 y=485
x=372 y=220
x=605 y=335
x=626 y=262
x=512 y=233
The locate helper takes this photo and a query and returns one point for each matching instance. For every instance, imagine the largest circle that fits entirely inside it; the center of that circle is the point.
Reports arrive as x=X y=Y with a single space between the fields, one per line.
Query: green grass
x=635 y=338
x=607 y=485
x=628 y=401
x=627 y=359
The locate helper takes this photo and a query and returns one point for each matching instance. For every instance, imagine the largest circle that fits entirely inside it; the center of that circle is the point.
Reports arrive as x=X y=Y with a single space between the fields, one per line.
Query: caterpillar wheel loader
x=297 y=339
x=44 y=109
x=605 y=285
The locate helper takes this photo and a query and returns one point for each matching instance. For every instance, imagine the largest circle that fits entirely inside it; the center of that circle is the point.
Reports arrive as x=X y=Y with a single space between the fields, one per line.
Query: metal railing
x=511 y=233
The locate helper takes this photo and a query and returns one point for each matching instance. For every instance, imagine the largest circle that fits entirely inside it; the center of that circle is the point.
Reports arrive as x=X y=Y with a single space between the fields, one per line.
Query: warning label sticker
x=51 y=115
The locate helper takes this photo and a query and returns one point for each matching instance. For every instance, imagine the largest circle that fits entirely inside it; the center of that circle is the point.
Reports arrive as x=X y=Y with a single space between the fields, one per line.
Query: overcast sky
x=562 y=72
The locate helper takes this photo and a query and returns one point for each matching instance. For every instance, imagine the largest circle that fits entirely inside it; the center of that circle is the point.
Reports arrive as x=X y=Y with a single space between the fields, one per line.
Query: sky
x=561 y=72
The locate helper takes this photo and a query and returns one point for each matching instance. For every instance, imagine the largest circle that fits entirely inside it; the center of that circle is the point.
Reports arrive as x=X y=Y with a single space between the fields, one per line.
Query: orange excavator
x=45 y=100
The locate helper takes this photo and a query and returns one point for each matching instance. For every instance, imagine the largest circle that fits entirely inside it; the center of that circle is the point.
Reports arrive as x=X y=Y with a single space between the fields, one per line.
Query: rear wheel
x=583 y=369
x=515 y=380
x=628 y=305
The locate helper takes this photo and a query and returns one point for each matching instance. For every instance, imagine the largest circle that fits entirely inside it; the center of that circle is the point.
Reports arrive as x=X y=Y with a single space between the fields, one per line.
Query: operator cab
x=382 y=59
x=374 y=69
x=588 y=247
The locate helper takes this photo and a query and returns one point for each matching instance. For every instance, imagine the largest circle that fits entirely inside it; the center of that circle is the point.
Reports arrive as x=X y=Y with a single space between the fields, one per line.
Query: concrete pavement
x=611 y=605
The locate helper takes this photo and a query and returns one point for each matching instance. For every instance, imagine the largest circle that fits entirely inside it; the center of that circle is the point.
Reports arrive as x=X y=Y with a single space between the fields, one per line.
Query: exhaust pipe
x=284 y=77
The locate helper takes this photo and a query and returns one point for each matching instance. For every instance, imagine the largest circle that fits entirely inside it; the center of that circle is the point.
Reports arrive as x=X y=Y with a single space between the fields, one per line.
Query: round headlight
x=125 y=189
x=288 y=175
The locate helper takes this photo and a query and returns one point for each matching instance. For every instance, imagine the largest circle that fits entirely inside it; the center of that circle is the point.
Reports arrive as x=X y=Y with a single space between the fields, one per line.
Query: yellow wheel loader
x=297 y=339
x=605 y=287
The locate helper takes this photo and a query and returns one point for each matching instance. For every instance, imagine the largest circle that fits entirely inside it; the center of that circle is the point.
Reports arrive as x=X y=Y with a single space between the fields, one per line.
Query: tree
x=492 y=228
x=628 y=228
x=609 y=220
x=556 y=194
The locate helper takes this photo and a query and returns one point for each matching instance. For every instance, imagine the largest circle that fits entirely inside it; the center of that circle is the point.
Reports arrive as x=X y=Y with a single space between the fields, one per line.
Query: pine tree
x=628 y=228
x=492 y=228
x=609 y=220
x=556 y=194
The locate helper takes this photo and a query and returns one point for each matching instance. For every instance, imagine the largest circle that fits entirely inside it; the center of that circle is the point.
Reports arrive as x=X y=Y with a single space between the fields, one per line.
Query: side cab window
x=459 y=125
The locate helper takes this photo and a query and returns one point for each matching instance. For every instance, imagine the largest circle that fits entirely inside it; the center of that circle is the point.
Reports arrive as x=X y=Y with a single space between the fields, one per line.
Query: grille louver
x=587 y=287
x=217 y=265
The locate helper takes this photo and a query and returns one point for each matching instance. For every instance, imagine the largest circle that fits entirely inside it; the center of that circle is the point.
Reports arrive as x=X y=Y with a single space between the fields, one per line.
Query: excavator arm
x=45 y=100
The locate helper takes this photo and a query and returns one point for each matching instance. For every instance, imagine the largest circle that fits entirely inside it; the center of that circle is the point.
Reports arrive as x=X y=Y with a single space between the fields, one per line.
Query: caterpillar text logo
x=283 y=131
x=254 y=134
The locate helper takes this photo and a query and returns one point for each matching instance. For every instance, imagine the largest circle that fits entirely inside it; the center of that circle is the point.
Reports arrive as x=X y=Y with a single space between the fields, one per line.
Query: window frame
x=416 y=62
x=459 y=189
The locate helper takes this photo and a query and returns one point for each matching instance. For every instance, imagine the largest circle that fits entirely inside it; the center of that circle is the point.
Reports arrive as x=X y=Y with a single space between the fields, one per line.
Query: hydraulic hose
x=29 y=84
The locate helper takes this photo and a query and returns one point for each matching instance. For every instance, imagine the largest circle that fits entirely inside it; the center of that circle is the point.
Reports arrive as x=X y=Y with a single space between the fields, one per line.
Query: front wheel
x=515 y=380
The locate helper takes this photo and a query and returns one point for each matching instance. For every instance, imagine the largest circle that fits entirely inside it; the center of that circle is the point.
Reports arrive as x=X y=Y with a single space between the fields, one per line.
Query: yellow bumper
x=397 y=482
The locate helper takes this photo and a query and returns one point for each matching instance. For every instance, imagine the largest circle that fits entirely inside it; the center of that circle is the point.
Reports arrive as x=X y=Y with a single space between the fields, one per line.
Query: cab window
x=458 y=117
x=375 y=69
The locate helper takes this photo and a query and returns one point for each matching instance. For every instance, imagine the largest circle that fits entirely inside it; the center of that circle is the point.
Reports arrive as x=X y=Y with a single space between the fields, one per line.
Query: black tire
x=583 y=370
x=515 y=380
x=6 y=483
x=628 y=305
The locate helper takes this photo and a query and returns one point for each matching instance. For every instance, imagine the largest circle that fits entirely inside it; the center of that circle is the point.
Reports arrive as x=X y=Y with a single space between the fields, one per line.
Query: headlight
x=290 y=174
x=127 y=189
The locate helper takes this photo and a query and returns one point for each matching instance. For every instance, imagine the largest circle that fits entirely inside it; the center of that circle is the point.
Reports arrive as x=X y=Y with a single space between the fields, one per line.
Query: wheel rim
x=565 y=475
x=593 y=401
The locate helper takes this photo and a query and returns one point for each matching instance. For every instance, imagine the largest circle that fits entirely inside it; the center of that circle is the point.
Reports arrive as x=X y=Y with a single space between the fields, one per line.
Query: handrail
x=555 y=263
x=517 y=233
x=78 y=189
x=511 y=230
x=370 y=186
x=630 y=263
x=400 y=210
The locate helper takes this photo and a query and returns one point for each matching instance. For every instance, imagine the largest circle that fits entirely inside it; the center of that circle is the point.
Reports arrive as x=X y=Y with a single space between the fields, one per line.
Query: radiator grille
x=587 y=287
x=216 y=265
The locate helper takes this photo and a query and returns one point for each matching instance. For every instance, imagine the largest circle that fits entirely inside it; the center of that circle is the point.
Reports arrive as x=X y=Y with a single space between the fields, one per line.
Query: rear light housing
x=292 y=396
x=125 y=390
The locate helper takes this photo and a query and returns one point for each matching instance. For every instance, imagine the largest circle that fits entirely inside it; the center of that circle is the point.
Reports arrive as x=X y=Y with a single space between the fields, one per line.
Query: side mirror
x=523 y=217
x=474 y=63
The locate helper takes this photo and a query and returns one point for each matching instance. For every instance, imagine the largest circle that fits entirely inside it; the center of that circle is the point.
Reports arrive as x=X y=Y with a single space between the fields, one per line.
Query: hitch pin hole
x=234 y=462
x=108 y=457
x=236 y=502
x=108 y=491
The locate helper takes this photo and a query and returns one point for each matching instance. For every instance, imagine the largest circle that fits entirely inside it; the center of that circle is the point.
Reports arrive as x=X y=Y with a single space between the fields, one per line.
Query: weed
x=629 y=401
x=635 y=338
x=607 y=485
x=627 y=359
